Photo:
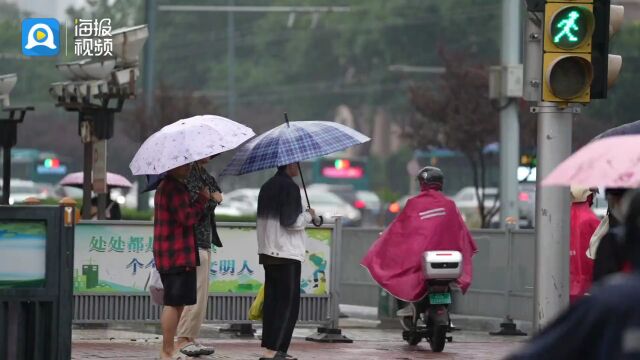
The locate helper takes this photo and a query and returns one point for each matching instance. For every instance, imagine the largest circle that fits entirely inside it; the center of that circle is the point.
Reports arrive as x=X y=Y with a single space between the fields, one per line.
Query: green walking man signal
x=568 y=25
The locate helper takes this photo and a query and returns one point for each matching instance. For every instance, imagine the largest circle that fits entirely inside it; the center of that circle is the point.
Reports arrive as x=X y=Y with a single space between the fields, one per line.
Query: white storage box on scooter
x=442 y=265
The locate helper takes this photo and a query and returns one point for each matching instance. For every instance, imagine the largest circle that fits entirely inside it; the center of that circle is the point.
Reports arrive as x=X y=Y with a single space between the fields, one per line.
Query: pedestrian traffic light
x=606 y=67
x=567 y=70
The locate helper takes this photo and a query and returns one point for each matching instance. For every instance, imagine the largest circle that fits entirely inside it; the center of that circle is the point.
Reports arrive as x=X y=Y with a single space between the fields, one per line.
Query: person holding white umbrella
x=206 y=236
x=174 y=249
x=173 y=150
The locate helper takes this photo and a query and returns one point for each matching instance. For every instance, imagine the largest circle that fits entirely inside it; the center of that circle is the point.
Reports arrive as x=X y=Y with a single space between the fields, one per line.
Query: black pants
x=281 y=305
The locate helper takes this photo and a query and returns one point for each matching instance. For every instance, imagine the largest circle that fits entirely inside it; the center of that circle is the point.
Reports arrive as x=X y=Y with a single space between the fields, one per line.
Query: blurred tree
x=171 y=106
x=121 y=12
x=458 y=115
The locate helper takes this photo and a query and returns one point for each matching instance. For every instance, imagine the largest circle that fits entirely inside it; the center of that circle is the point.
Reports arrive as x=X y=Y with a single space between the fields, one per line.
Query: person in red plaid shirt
x=174 y=250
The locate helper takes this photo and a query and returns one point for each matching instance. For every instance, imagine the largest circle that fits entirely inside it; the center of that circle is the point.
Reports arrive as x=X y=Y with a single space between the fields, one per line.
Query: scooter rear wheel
x=439 y=338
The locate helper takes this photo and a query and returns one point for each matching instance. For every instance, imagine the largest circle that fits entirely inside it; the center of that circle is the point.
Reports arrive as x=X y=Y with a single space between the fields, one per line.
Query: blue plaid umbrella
x=292 y=142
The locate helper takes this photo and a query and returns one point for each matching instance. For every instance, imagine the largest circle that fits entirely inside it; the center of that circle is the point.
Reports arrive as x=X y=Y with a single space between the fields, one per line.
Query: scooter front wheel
x=407 y=322
x=414 y=339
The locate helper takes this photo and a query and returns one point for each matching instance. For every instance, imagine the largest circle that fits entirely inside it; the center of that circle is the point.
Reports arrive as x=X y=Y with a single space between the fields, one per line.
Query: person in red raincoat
x=583 y=224
x=429 y=222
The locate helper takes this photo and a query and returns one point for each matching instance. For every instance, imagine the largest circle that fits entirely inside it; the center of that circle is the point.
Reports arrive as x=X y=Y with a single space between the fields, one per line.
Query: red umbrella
x=113 y=180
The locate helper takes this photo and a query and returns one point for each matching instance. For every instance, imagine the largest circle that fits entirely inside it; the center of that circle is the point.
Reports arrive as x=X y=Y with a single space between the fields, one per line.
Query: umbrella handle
x=307 y=197
x=304 y=187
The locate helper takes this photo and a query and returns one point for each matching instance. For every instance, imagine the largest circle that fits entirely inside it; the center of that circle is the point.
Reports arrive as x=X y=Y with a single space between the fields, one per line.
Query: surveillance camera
x=123 y=77
x=7 y=82
x=57 y=89
x=128 y=42
x=70 y=88
x=97 y=69
x=91 y=88
x=72 y=70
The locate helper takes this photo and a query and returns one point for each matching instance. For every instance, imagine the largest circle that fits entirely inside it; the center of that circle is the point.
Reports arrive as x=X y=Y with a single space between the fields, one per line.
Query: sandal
x=204 y=350
x=190 y=349
x=180 y=356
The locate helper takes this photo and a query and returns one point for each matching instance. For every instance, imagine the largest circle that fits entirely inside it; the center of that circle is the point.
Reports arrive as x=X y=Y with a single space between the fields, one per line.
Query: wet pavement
x=369 y=343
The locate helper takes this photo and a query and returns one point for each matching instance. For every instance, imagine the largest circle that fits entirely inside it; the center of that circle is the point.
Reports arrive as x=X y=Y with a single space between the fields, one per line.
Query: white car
x=131 y=197
x=328 y=205
x=469 y=205
x=240 y=202
x=468 y=198
x=600 y=205
x=23 y=189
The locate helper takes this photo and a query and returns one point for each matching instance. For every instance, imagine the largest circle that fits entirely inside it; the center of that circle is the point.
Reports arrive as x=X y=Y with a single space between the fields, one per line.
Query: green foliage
x=310 y=66
x=133 y=214
x=388 y=196
x=121 y=12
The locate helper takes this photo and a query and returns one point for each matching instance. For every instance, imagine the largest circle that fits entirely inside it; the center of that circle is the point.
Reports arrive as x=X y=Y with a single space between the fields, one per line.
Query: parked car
x=600 y=205
x=46 y=190
x=131 y=197
x=527 y=205
x=328 y=205
x=23 y=189
x=366 y=201
x=469 y=205
x=68 y=191
x=240 y=202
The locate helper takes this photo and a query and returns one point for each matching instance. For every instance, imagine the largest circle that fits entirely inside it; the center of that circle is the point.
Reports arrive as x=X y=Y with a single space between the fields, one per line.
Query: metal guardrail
x=229 y=308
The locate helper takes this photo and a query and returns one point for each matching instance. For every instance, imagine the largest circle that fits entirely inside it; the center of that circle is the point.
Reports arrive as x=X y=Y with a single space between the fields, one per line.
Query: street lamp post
x=97 y=89
x=9 y=131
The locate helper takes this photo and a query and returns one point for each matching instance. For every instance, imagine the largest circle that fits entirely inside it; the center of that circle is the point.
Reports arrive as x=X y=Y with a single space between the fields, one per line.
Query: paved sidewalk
x=369 y=343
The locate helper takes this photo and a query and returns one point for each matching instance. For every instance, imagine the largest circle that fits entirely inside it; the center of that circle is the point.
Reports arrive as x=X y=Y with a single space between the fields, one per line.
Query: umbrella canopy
x=186 y=141
x=153 y=181
x=292 y=142
x=610 y=162
x=632 y=128
x=113 y=180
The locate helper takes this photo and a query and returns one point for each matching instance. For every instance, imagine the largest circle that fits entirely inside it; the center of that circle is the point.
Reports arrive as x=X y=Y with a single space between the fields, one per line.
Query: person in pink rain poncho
x=429 y=222
x=583 y=224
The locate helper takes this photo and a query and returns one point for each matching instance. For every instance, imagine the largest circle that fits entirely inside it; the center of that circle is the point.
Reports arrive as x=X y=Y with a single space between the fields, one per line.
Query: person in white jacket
x=281 y=248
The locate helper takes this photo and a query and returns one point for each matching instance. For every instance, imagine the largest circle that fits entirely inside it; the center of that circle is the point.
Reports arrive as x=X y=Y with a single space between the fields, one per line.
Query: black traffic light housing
x=600 y=49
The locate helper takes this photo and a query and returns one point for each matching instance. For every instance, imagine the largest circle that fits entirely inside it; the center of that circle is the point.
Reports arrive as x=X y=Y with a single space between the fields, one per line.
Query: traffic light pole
x=551 y=294
x=8 y=139
x=6 y=174
x=86 y=138
x=509 y=126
